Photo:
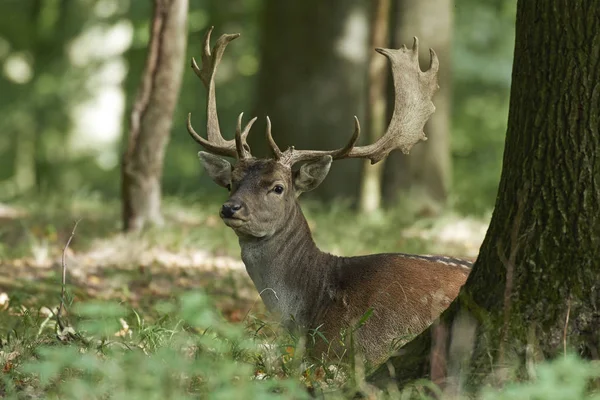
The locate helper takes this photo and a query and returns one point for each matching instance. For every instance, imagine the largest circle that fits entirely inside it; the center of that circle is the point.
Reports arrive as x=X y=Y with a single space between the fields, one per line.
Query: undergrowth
x=180 y=346
x=183 y=349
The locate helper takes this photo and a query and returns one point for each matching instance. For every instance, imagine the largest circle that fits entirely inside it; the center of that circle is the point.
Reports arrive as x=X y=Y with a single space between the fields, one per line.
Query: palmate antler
x=412 y=108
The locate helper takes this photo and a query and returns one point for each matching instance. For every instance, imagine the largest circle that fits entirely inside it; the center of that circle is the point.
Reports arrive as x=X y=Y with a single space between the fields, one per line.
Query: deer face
x=263 y=192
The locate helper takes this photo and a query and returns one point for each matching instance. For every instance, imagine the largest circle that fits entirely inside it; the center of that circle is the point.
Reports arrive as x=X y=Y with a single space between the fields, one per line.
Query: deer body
x=312 y=290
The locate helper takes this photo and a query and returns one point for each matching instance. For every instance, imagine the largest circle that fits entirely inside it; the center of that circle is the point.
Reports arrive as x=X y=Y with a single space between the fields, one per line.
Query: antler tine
x=292 y=156
x=215 y=143
x=344 y=151
x=276 y=151
x=434 y=65
x=415 y=47
x=211 y=147
x=412 y=108
x=241 y=145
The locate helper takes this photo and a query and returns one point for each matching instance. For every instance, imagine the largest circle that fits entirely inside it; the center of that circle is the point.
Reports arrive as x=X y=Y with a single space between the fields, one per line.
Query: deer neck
x=289 y=271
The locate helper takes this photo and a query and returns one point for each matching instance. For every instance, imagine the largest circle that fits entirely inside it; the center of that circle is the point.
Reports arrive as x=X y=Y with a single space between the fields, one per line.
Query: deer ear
x=217 y=168
x=311 y=174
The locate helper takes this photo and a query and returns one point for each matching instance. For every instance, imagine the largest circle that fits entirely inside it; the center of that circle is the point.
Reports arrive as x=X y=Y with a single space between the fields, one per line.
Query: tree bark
x=426 y=172
x=534 y=290
x=152 y=115
x=312 y=80
x=370 y=191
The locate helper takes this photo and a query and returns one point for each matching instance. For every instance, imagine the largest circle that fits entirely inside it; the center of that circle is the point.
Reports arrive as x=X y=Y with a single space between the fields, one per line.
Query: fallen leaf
x=319 y=374
x=7 y=367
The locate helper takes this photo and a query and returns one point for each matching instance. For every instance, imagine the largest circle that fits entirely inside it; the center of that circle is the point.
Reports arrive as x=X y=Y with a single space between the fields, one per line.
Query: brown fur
x=312 y=290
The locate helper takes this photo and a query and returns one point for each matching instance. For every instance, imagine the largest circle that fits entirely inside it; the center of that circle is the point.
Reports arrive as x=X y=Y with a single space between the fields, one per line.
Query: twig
x=64 y=277
x=566 y=326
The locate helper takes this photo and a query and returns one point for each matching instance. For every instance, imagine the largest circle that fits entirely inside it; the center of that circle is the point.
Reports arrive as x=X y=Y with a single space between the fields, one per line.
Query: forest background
x=70 y=74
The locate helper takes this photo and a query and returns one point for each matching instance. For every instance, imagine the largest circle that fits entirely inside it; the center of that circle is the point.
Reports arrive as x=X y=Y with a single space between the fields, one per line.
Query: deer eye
x=278 y=189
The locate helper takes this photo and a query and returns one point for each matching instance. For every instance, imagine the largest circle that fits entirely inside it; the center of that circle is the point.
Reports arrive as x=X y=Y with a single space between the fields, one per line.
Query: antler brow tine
x=242 y=148
x=276 y=151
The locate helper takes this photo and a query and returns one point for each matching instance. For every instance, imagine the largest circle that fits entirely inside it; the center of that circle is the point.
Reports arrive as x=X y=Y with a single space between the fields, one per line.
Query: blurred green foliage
x=184 y=349
x=116 y=353
x=482 y=64
x=56 y=56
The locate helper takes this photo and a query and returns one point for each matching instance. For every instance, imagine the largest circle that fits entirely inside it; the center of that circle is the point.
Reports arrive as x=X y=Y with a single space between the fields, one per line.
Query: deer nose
x=230 y=208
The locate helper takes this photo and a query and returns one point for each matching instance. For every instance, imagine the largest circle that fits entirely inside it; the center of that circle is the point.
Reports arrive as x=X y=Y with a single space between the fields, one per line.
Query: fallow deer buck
x=308 y=288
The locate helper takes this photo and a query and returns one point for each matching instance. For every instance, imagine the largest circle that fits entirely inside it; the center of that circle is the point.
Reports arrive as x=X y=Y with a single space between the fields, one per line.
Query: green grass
x=149 y=329
x=194 y=223
x=184 y=349
x=187 y=351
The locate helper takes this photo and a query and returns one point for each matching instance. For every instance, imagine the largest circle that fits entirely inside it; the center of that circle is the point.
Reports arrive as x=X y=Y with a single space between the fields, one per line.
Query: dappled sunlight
x=97 y=121
x=193 y=249
x=122 y=250
x=11 y=211
x=451 y=234
x=18 y=68
x=352 y=43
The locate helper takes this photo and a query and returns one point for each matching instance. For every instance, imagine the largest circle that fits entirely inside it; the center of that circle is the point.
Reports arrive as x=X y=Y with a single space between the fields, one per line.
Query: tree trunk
x=370 y=191
x=534 y=289
x=426 y=172
x=152 y=115
x=312 y=80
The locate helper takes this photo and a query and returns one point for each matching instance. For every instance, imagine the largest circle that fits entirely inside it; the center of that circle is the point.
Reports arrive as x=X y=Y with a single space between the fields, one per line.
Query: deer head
x=263 y=192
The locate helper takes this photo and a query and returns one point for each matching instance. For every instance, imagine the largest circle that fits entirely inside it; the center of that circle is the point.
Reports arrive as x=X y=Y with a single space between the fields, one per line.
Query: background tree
x=426 y=172
x=74 y=142
x=151 y=117
x=370 y=191
x=312 y=79
x=533 y=292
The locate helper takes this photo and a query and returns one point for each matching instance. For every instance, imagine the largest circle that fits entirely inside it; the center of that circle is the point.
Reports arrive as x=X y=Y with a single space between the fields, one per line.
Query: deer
x=382 y=299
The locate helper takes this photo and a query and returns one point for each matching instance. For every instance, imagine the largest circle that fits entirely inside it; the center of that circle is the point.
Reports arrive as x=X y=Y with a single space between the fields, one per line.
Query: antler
x=216 y=144
x=412 y=108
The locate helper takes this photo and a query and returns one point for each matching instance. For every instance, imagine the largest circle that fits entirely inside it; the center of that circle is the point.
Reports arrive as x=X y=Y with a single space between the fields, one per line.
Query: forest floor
x=194 y=249
x=149 y=293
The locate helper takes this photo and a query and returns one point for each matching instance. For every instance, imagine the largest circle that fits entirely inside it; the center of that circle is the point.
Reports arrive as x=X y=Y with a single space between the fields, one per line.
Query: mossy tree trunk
x=535 y=288
x=152 y=115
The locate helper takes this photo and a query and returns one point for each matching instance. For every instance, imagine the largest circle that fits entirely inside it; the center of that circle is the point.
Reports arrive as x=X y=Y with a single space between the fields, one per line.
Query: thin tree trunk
x=426 y=172
x=152 y=115
x=370 y=191
x=311 y=83
x=534 y=289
